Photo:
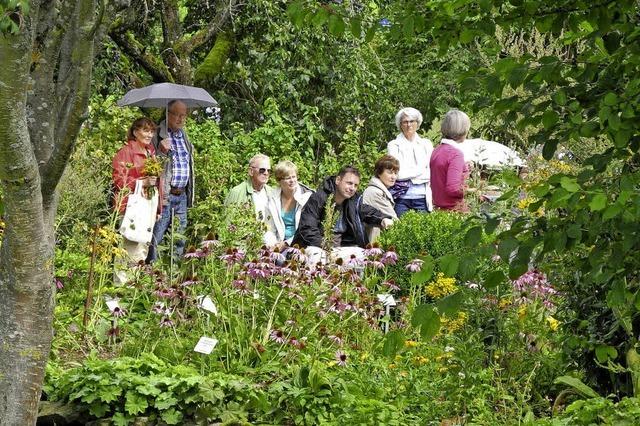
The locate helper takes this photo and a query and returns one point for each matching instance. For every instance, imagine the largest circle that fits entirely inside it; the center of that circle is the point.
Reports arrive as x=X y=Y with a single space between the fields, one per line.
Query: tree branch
x=204 y=36
x=132 y=48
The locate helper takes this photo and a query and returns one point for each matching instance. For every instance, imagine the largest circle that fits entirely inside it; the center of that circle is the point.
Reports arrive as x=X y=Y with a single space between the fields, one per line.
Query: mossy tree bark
x=172 y=61
x=45 y=82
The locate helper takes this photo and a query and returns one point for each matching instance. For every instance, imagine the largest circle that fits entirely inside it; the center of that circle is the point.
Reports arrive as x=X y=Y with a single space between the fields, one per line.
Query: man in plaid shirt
x=171 y=142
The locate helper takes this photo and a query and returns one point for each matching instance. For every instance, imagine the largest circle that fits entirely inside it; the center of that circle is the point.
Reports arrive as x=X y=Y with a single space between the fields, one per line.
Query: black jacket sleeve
x=371 y=215
x=309 y=232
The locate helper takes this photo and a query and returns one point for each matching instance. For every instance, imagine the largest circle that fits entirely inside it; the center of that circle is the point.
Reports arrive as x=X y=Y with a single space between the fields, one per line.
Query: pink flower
x=372 y=251
x=166 y=322
x=241 y=286
x=298 y=344
x=341 y=358
x=211 y=241
x=59 y=284
x=232 y=256
x=389 y=258
x=189 y=281
x=195 y=254
x=392 y=285
x=164 y=292
x=376 y=264
x=118 y=312
x=415 y=265
x=277 y=336
x=335 y=339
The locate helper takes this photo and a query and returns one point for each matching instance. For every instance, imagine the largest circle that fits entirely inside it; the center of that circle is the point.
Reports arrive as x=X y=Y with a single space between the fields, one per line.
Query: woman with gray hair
x=448 y=169
x=412 y=190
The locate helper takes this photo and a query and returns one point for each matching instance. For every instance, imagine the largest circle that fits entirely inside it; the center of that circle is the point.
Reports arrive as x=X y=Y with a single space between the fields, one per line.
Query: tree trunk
x=44 y=89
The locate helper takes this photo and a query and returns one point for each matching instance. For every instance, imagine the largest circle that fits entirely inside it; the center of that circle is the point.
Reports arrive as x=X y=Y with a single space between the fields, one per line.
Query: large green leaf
x=393 y=342
x=426 y=317
x=577 y=385
x=450 y=304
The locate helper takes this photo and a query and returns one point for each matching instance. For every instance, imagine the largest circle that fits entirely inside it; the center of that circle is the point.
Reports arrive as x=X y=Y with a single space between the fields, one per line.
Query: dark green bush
x=418 y=234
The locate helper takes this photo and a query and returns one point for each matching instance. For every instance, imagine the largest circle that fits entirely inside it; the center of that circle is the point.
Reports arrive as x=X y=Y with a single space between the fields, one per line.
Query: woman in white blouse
x=412 y=190
x=285 y=205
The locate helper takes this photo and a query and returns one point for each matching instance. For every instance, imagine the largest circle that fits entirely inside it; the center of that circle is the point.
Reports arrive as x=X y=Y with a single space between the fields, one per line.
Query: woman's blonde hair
x=283 y=169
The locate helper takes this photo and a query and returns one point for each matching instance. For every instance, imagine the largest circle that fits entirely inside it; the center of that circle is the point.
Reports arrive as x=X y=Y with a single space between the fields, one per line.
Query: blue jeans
x=405 y=204
x=177 y=204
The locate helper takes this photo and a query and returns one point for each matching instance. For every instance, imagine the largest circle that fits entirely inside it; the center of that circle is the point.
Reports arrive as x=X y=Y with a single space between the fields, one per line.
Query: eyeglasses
x=262 y=170
x=407 y=122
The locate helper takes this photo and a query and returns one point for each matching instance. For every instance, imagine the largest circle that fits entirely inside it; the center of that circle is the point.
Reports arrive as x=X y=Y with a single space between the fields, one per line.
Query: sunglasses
x=262 y=170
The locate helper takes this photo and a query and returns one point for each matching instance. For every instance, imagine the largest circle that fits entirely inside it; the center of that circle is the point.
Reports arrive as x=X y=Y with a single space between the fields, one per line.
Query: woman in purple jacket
x=448 y=169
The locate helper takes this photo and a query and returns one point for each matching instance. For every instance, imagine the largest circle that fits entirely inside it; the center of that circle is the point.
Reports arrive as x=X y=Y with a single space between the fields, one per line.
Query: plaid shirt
x=179 y=160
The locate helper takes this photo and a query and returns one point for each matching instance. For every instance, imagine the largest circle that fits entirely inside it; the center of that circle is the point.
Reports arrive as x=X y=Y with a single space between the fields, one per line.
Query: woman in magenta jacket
x=448 y=169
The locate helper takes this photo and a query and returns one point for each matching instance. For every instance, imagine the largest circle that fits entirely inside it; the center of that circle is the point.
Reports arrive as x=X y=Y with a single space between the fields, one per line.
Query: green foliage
x=12 y=14
x=597 y=410
x=215 y=59
x=146 y=386
x=438 y=234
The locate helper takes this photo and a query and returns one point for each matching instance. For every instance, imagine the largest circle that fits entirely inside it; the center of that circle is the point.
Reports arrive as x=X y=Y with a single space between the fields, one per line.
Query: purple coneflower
x=376 y=264
x=118 y=312
x=241 y=286
x=335 y=339
x=277 y=336
x=389 y=258
x=415 y=265
x=163 y=292
x=372 y=251
x=59 y=284
x=158 y=308
x=210 y=241
x=189 y=281
x=232 y=256
x=341 y=358
x=391 y=284
x=166 y=322
x=298 y=344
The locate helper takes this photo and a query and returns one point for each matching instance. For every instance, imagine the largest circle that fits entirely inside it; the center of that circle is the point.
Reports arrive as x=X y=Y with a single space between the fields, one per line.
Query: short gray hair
x=455 y=125
x=258 y=157
x=411 y=114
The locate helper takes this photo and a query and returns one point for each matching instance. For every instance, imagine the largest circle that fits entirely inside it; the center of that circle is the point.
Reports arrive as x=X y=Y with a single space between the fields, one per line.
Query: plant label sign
x=205 y=302
x=205 y=345
x=112 y=304
x=387 y=299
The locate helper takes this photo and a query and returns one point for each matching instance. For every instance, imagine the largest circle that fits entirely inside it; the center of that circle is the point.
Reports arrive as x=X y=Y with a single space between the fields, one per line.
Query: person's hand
x=148 y=181
x=165 y=145
x=386 y=223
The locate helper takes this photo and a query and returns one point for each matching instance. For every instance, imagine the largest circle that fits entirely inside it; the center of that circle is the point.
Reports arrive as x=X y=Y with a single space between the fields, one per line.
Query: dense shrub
x=419 y=234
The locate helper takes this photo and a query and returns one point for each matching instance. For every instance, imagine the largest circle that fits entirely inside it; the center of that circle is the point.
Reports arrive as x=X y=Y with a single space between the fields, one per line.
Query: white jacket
x=414 y=157
x=275 y=224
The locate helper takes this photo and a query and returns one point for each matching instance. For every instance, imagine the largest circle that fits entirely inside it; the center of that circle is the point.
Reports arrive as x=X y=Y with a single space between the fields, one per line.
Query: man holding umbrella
x=172 y=143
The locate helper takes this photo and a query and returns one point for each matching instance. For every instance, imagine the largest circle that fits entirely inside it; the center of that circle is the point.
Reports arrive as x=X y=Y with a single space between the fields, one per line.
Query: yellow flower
x=403 y=373
x=392 y=366
x=441 y=287
x=364 y=356
x=504 y=302
x=410 y=343
x=522 y=311
x=398 y=358
x=553 y=323
x=451 y=325
x=420 y=360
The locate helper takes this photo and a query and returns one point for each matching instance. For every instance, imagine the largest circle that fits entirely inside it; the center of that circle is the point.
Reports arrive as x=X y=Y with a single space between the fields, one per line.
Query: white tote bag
x=140 y=216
